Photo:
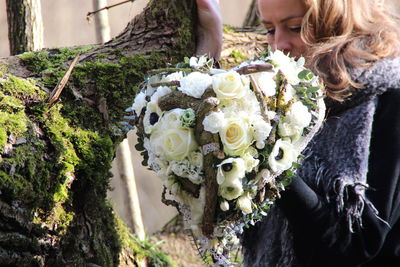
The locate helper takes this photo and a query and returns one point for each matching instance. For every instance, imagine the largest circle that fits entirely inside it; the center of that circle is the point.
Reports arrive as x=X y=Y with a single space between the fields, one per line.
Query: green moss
x=142 y=248
x=41 y=61
x=238 y=56
x=70 y=146
x=227 y=29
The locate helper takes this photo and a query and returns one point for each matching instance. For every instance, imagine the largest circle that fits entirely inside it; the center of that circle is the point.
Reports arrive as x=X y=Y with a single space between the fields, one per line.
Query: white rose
x=287 y=65
x=160 y=92
x=151 y=117
x=236 y=135
x=266 y=82
x=230 y=85
x=177 y=143
x=195 y=84
x=244 y=203
x=214 y=122
x=231 y=191
x=139 y=103
x=230 y=169
x=171 y=119
x=282 y=156
x=224 y=206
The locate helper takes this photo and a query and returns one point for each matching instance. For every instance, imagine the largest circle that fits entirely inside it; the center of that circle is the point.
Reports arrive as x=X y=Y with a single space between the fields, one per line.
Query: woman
x=344 y=208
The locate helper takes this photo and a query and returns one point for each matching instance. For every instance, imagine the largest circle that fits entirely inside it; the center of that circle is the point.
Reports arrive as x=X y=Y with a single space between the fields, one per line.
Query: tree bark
x=55 y=159
x=25 y=25
x=251 y=19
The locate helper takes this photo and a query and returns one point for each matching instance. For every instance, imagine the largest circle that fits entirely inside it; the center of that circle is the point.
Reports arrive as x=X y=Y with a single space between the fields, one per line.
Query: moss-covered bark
x=55 y=159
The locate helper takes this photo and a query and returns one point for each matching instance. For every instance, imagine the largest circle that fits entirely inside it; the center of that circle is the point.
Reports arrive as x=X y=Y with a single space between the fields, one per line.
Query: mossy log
x=55 y=158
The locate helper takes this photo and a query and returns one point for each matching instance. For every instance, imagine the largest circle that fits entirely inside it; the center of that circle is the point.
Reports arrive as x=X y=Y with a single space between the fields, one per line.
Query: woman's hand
x=209 y=28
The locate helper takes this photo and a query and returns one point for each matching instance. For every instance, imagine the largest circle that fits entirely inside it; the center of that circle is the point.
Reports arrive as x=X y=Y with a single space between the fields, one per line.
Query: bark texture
x=25 y=25
x=55 y=159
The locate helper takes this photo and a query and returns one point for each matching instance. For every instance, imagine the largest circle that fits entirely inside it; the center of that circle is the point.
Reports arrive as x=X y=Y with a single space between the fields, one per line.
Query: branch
x=89 y=14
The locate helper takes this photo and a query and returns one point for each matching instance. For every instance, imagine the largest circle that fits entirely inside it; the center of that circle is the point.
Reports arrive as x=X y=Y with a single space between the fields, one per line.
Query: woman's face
x=282 y=19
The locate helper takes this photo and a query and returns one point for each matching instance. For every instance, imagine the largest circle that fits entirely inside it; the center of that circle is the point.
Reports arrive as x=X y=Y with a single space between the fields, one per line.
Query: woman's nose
x=282 y=42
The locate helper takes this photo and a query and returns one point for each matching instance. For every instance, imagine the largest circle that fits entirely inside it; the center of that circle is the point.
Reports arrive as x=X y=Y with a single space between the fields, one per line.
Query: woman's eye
x=295 y=29
x=270 y=31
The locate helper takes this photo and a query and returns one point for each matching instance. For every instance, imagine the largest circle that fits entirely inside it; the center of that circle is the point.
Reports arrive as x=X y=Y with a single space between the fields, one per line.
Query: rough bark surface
x=55 y=159
x=25 y=26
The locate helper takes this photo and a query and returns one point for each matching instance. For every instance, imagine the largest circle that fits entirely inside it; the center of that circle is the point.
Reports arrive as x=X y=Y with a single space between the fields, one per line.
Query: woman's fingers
x=209 y=28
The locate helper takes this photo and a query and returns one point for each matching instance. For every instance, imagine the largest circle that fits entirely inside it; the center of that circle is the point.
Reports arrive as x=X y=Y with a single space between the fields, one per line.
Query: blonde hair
x=347 y=33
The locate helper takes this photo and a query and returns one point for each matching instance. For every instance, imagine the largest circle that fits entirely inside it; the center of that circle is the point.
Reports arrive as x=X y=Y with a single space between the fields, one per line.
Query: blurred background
x=65 y=24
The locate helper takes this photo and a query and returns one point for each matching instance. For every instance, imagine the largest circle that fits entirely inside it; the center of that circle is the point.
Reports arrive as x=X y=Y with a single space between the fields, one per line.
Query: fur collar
x=327 y=169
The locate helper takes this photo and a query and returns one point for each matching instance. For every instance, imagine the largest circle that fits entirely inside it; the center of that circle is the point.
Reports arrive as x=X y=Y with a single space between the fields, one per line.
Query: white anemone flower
x=282 y=156
x=231 y=169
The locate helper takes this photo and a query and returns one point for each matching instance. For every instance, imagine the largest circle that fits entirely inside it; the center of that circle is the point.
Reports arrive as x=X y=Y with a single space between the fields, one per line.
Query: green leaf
x=313 y=89
x=303 y=74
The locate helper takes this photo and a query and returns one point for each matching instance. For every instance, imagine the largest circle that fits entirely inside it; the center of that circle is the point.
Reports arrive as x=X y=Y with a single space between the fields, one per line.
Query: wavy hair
x=343 y=34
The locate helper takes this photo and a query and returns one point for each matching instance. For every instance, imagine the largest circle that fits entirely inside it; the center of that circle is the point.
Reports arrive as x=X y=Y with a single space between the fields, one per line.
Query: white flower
x=176 y=76
x=250 y=162
x=195 y=62
x=282 y=156
x=296 y=118
x=171 y=119
x=236 y=135
x=160 y=92
x=224 y=205
x=231 y=190
x=266 y=82
x=230 y=85
x=244 y=203
x=139 y=103
x=286 y=129
x=213 y=122
x=230 y=169
x=195 y=84
x=151 y=117
x=298 y=114
x=178 y=143
x=290 y=93
x=287 y=65
x=262 y=129
x=196 y=159
x=249 y=104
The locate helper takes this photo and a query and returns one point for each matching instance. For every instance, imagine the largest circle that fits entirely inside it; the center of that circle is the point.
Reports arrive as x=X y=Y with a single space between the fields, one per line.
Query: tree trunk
x=55 y=158
x=25 y=26
x=103 y=32
x=251 y=19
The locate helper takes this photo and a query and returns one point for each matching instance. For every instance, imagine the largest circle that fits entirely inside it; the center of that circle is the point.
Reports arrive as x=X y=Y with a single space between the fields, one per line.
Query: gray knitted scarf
x=335 y=166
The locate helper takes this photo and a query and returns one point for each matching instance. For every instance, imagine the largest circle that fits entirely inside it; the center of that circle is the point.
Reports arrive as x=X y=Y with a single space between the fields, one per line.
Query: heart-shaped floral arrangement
x=225 y=143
